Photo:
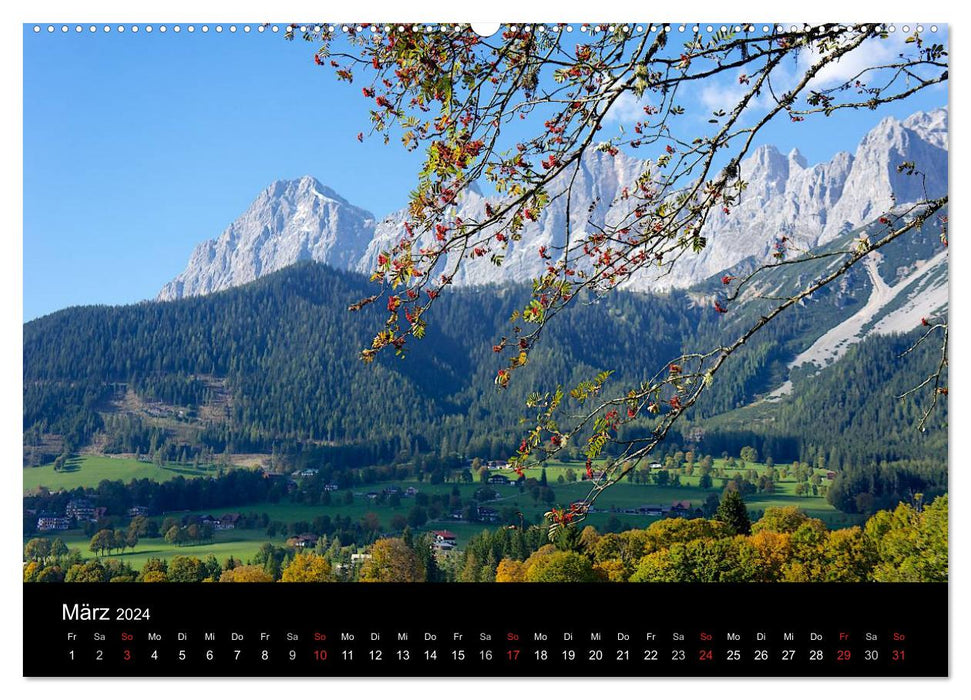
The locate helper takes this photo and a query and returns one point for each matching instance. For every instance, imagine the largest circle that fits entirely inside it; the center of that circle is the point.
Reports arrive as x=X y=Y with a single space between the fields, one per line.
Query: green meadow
x=90 y=470
x=610 y=503
x=243 y=544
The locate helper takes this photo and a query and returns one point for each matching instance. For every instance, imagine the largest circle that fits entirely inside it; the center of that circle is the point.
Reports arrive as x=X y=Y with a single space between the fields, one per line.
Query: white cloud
x=627 y=109
x=721 y=95
x=871 y=53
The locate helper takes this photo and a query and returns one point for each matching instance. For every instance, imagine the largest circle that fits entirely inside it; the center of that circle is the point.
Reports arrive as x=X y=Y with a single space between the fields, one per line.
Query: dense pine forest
x=272 y=367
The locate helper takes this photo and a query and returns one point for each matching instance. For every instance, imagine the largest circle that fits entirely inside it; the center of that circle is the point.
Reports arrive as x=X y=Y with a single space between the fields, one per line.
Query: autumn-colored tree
x=186 y=570
x=31 y=570
x=524 y=110
x=786 y=519
x=767 y=553
x=850 y=556
x=35 y=572
x=561 y=567
x=612 y=570
x=88 y=572
x=666 y=532
x=37 y=549
x=808 y=543
x=392 y=561
x=308 y=567
x=249 y=573
x=154 y=564
x=588 y=538
x=510 y=571
x=154 y=577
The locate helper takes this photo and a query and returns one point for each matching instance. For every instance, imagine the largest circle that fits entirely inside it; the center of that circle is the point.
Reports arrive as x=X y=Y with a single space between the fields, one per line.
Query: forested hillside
x=273 y=367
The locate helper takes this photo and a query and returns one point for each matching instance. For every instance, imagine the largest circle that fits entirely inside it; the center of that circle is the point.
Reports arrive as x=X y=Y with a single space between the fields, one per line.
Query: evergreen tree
x=732 y=512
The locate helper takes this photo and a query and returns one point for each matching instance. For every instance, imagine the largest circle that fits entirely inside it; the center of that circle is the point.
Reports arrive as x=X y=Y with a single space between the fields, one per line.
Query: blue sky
x=139 y=146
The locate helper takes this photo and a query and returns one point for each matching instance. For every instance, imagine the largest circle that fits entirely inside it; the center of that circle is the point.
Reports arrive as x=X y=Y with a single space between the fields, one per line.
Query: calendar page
x=391 y=349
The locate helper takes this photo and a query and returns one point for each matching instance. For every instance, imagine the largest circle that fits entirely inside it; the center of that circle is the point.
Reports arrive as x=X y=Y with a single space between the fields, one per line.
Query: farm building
x=444 y=540
x=681 y=508
x=57 y=522
x=227 y=521
x=80 y=509
x=303 y=541
x=487 y=514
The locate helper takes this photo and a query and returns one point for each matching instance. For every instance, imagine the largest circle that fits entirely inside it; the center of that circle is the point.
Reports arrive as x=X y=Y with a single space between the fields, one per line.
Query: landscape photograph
x=408 y=303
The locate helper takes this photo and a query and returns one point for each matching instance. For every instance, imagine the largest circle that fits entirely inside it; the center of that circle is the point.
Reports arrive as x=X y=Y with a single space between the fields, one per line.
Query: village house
x=227 y=521
x=80 y=509
x=303 y=541
x=48 y=523
x=489 y=515
x=680 y=509
x=331 y=487
x=136 y=511
x=411 y=492
x=308 y=472
x=444 y=540
x=498 y=479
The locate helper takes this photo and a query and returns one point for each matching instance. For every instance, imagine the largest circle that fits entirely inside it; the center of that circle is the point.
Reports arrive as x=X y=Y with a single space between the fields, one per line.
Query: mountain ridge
x=301 y=219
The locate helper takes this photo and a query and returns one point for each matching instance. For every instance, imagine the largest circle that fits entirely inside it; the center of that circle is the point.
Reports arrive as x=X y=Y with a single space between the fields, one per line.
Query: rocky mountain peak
x=289 y=221
x=301 y=218
x=797 y=158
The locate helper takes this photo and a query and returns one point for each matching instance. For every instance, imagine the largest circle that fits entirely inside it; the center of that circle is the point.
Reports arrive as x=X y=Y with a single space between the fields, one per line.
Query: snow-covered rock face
x=813 y=205
x=301 y=219
x=291 y=220
x=597 y=184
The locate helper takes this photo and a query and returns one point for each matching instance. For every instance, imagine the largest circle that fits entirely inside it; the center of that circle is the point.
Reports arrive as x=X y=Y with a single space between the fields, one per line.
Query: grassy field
x=90 y=470
x=613 y=501
x=241 y=544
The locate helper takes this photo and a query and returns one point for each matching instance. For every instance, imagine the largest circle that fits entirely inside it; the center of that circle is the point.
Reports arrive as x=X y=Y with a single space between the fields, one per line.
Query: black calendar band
x=426 y=630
